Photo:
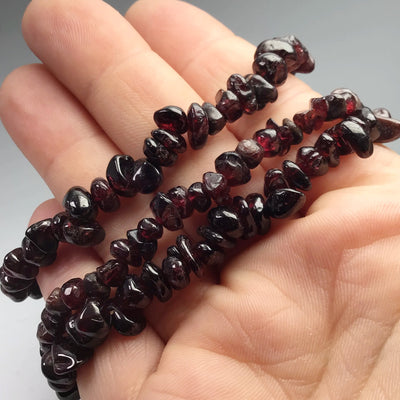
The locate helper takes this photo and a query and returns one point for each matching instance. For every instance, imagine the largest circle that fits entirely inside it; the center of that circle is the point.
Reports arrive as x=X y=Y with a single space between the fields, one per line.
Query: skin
x=311 y=311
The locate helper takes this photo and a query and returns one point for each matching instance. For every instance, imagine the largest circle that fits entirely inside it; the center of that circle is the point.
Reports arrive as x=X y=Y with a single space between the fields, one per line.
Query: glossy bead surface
x=55 y=305
x=283 y=203
x=174 y=143
x=282 y=48
x=274 y=179
x=215 y=238
x=296 y=132
x=172 y=119
x=41 y=233
x=358 y=138
x=388 y=129
x=295 y=176
x=146 y=177
x=33 y=255
x=94 y=287
x=208 y=256
x=79 y=204
x=126 y=320
x=87 y=234
x=197 y=126
x=165 y=212
x=255 y=202
x=16 y=266
x=146 y=248
x=119 y=173
x=158 y=154
x=134 y=292
x=57 y=224
x=73 y=293
x=233 y=168
x=185 y=247
x=13 y=285
x=264 y=91
x=228 y=105
x=250 y=151
x=311 y=161
x=112 y=273
x=305 y=121
x=225 y=221
x=269 y=141
x=175 y=272
x=216 y=121
x=179 y=196
x=242 y=89
x=121 y=250
x=271 y=67
x=153 y=277
x=104 y=196
x=336 y=107
x=326 y=146
x=199 y=198
x=216 y=186
x=353 y=102
x=150 y=229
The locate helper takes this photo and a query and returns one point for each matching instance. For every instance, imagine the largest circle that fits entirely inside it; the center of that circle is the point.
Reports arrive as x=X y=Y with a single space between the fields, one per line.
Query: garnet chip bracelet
x=273 y=60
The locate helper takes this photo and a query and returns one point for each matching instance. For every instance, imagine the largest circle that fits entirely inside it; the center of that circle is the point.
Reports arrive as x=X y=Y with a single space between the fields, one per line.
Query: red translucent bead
x=179 y=196
x=16 y=266
x=311 y=161
x=119 y=173
x=274 y=179
x=216 y=185
x=172 y=119
x=134 y=292
x=271 y=67
x=264 y=91
x=79 y=204
x=175 y=272
x=185 y=247
x=94 y=287
x=174 y=143
x=73 y=293
x=41 y=234
x=158 y=154
x=127 y=320
x=305 y=120
x=112 y=273
x=226 y=221
x=216 y=121
x=228 y=105
x=255 y=202
x=233 y=167
x=104 y=196
x=165 y=212
x=250 y=151
x=146 y=177
x=388 y=129
x=283 y=203
x=326 y=146
x=353 y=102
x=121 y=250
x=296 y=132
x=34 y=255
x=216 y=239
x=295 y=176
x=269 y=140
x=198 y=196
x=207 y=255
x=242 y=210
x=197 y=126
x=87 y=234
x=358 y=138
x=153 y=277
x=242 y=89
x=150 y=229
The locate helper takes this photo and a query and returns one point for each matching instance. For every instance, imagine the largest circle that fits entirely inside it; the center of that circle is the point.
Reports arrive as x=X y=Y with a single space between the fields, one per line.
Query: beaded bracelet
x=273 y=60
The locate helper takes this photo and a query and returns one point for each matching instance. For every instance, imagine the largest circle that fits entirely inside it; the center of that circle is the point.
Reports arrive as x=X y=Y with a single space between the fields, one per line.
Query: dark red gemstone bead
x=282 y=48
x=283 y=203
x=225 y=221
x=73 y=394
x=57 y=224
x=173 y=251
x=353 y=102
x=336 y=107
x=256 y=206
x=49 y=372
x=34 y=291
x=55 y=305
x=311 y=161
x=216 y=121
x=197 y=126
x=158 y=154
x=89 y=328
x=41 y=234
x=172 y=119
x=326 y=146
x=242 y=89
x=242 y=210
x=176 y=272
x=271 y=67
x=79 y=204
x=16 y=266
x=233 y=167
x=228 y=105
x=207 y=255
x=358 y=138
x=174 y=143
x=94 y=287
x=17 y=297
x=382 y=112
x=250 y=151
x=149 y=229
x=185 y=247
x=303 y=58
x=274 y=179
x=388 y=129
x=296 y=132
x=179 y=196
x=146 y=248
x=134 y=292
x=64 y=360
x=305 y=120
x=121 y=250
x=263 y=90
x=146 y=177
x=216 y=239
x=13 y=285
x=33 y=255
x=87 y=234
x=119 y=173
x=367 y=116
x=165 y=212
x=295 y=176
x=269 y=140
x=73 y=293
x=112 y=273
x=216 y=185
x=54 y=324
x=126 y=320
x=342 y=145
x=44 y=336
x=320 y=106
x=153 y=277
x=307 y=67
x=199 y=198
x=104 y=196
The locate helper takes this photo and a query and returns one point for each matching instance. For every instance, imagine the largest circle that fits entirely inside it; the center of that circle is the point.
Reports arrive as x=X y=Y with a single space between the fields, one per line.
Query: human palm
x=310 y=311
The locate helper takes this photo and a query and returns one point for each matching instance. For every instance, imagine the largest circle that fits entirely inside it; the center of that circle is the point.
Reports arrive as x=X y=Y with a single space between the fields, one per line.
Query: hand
x=310 y=311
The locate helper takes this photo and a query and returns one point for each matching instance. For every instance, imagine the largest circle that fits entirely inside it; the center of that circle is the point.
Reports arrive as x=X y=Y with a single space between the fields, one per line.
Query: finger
x=110 y=371
x=207 y=54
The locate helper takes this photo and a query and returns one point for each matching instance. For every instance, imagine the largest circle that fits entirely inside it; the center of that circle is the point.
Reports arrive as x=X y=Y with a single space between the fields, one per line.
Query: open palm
x=310 y=311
